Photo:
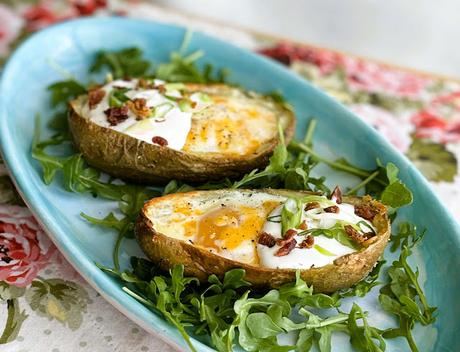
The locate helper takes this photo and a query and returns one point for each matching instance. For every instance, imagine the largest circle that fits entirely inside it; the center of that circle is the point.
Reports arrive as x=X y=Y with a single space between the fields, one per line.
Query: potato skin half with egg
x=129 y=158
x=344 y=272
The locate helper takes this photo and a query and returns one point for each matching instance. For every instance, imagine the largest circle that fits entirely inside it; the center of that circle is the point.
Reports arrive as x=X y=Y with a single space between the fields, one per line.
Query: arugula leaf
x=109 y=221
x=64 y=91
x=396 y=195
x=183 y=68
x=382 y=182
x=406 y=236
x=362 y=337
x=299 y=293
x=123 y=63
x=262 y=326
x=319 y=330
x=404 y=297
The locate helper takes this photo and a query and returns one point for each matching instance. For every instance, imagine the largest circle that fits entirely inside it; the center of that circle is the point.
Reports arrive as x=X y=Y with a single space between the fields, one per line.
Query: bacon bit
x=139 y=107
x=286 y=248
x=311 y=205
x=161 y=88
x=308 y=242
x=368 y=235
x=303 y=225
x=332 y=209
x=116 y=115
x=160 y=141
x=336 y=195
x=288 y=236
x=266 y=239
x=366 y=211
x=94 y=97
x=145 y=84
x=193 y=104
x=355 y=235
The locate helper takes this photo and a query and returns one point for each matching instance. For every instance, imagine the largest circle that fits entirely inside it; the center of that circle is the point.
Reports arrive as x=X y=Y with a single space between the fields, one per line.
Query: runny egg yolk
x=232 y=228
x=226 y=228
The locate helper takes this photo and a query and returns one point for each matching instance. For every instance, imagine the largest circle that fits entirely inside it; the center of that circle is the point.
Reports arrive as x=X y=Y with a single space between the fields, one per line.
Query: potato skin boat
x=344 y=272
x=128 y=158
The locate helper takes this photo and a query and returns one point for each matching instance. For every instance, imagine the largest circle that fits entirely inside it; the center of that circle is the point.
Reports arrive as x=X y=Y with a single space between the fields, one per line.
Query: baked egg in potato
x=334 y=243
x=152 y=131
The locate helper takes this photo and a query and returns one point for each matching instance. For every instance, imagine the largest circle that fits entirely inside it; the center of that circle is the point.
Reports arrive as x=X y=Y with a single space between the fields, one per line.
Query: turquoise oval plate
x=72 y=45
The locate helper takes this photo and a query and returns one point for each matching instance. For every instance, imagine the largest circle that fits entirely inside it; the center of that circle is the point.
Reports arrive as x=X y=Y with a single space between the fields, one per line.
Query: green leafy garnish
x=382 y=182
x=117 y=97
x=64 y=91
x=406 y=236
x=291 y=215
x=125 y=63
x=403 y=296
x=364 y=338
x=183 y=67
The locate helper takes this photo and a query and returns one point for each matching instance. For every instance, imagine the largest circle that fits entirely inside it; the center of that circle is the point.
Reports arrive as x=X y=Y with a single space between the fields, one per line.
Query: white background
x=423 y=34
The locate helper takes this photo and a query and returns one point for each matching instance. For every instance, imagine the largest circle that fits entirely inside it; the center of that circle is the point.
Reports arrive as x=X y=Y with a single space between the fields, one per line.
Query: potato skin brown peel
x=344 y=272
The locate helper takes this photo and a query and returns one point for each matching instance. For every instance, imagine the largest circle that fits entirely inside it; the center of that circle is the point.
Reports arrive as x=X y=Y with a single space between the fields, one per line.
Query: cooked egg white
x=230 y=226
x=305 y=258
x=225 y=121
x=174 y=126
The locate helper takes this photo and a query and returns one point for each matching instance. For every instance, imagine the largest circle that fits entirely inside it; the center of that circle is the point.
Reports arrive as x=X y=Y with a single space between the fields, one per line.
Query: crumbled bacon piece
x=336 y=195
x=311 y=205
x=94 y=97
x=266 y=239
x=161 y=88
x=308 y=242
x=139 y=107
x=332 y=209
x=160 y=141
x=116 y=115
x=303 y=225
x=145 y=84
x=356 y=236
x=286 y=248
x=368 y=235
x=289 y=235
x=366 y=211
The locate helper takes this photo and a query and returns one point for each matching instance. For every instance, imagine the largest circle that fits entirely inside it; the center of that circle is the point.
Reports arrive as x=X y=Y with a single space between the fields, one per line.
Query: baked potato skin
x=198 y=262
x=131 y=159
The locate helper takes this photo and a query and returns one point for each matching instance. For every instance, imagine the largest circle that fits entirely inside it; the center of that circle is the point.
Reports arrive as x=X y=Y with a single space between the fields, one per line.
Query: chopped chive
x=323 y=251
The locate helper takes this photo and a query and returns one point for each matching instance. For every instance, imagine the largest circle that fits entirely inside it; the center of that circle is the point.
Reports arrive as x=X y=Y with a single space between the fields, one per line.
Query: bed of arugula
x=228 y=310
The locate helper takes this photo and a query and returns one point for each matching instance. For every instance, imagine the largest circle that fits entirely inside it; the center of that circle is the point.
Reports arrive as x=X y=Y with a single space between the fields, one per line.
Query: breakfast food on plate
x=269 y=233
x=153 y=131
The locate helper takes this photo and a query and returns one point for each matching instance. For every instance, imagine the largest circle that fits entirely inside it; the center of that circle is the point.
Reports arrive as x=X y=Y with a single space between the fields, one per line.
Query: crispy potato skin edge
x=131 y=159
x=198 y=262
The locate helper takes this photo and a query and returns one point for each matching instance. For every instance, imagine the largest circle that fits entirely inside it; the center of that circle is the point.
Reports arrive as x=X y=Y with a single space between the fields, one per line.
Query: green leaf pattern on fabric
x=58 y=299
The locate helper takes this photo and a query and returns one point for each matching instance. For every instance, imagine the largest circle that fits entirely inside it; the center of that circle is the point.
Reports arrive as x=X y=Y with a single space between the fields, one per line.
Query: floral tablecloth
x=47 y=306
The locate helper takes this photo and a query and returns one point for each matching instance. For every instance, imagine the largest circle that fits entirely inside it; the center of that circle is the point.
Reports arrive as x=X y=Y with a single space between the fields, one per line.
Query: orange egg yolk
x=226 y=228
